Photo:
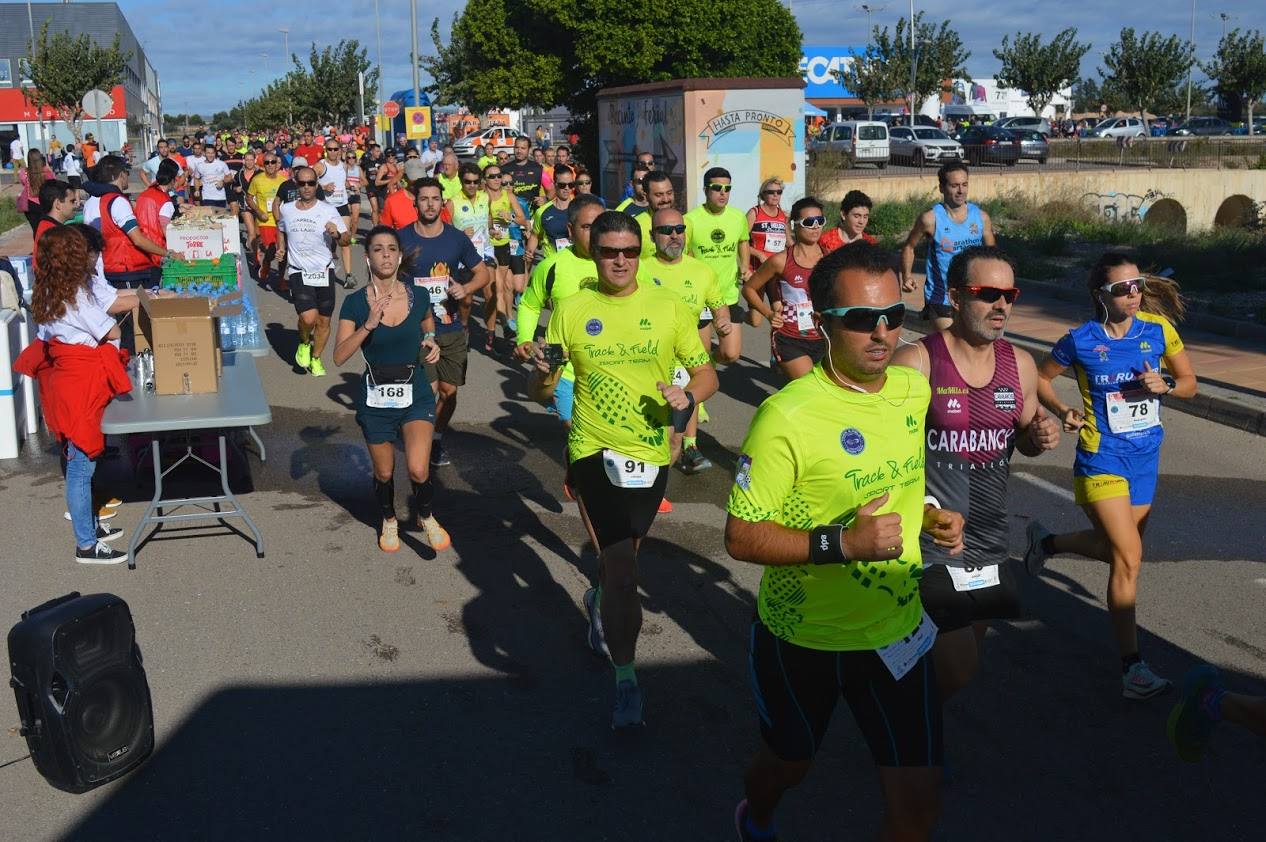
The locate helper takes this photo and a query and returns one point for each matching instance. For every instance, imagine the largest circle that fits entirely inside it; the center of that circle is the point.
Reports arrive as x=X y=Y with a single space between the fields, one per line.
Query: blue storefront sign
x=818 y=67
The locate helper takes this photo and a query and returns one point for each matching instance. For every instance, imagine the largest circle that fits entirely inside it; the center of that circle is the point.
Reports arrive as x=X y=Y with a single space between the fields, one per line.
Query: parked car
x=894 y=120
x=1201 y=127
x=863 y=141
x=1118 y=127
x=1036 y=124
x=1033 y=145
x=1259 y=127
x=986 y=144
x=921 y=145
x=492 y=139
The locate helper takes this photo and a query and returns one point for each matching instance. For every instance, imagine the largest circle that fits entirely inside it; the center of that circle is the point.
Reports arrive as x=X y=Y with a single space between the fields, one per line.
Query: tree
x=1147 y=69
x=1040 y=70
x=62 y=69
x=540 y=53
x=938 y=55
x=870 y=79
x=1238 y=70
x=1090 y=95
x=327 y=89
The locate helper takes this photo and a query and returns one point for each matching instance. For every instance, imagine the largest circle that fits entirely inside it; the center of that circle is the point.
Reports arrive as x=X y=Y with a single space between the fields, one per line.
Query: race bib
x=901 y=655
x=516 y=248
x=973 y=578
x=388 y=395
x=316 y=279
x=561 y=243
x=680 y=377
x=627 y=472
x=436 y=286
x=775 y=243
x=705 y=315
x=1130 y=416
x=499 y=230
x=804 y=316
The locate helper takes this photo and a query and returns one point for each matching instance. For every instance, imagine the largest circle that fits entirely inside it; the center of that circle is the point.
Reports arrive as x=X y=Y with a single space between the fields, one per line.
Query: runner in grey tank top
x=332 y=178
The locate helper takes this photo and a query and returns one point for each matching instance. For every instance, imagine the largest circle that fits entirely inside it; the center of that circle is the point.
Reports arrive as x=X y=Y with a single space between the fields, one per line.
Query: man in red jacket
x=61 y=201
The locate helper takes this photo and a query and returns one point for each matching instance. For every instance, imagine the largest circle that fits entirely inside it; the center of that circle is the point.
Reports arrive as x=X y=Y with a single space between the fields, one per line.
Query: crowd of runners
x=872 y=487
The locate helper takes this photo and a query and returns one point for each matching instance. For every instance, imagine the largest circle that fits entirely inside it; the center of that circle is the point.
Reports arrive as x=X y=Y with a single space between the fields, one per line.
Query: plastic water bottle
x=226 y=335
x=239 y=331
x=252 y=330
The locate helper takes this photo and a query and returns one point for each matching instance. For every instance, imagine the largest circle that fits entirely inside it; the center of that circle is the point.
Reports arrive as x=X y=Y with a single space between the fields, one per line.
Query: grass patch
x=9 y=216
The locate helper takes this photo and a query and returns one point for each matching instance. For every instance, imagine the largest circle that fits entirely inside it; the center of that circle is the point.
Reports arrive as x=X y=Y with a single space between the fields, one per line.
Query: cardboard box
x=181 y=331
x=204 y=233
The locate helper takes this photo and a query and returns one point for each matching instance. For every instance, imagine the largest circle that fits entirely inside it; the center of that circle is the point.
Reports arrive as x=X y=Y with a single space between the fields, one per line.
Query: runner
x=525 y=175
x=431 y=157
x=450 y=182
x=1205 y=702
x=718 y=236
x=660 y=195
x=637 y=203
x=355 y=180
x=401 y=208
x=239 y=183
x=504 y=210
x=797 y=344
x=645 y=161
x=307 y=148
x=584 y=183
x=332 y=174
x=971 y=431
x=212 y=176
x=549 y=223
x=854 y=217
x=1117 y=357
x=150 y=168
x=260 y=194
x=828 y=495
x=695 y=283
x=625 y=410
x=370 y=164
x=469 y=210
x=307 y=231
x=767 y=223
x=390 y=323
x=439 y=254
x=951 y=225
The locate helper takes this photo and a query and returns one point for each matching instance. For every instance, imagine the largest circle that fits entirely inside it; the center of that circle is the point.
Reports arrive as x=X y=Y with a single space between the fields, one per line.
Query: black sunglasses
x=492 y=175
x=470 y=181
x=991 y=294
x=561 y=184
x=866 y=319
x=268 y=161
x=411 y=157
x=670 y=229
x=611 y=252
x=306 y=183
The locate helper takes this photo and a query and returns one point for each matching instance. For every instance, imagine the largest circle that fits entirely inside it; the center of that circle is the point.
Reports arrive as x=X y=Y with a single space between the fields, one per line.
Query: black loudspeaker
x=82 y=695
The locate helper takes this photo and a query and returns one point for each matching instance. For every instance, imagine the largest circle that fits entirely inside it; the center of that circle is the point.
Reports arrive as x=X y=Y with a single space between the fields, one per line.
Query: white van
x=863 y=141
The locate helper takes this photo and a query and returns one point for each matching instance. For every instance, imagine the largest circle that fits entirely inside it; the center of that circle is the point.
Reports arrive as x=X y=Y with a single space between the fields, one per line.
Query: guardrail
x=1218 y=153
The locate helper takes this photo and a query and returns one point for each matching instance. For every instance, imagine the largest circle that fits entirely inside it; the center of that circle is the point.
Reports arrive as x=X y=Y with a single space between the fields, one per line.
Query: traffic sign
x=391 y=108
x=97 y=103
x=417 y=122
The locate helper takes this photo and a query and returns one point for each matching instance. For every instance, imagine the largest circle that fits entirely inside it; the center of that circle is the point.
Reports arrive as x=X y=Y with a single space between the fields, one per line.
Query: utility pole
x=378 y=32
x=39 y=112
x=1193 y=60
x=285 y=63
x=413 y=18
x=914 y=63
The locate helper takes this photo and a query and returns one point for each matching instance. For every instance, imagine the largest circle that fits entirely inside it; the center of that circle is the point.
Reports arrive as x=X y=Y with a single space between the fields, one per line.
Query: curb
x=1216 y=402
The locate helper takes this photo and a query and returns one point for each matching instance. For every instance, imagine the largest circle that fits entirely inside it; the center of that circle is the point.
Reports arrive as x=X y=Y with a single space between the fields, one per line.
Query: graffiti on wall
x=1123 y=207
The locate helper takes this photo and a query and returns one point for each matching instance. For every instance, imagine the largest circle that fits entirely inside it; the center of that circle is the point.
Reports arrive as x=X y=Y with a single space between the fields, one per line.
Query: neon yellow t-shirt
x=450 y=188
x=500 y=214
x=692 y=280
x=714 y=239
x=621 y=347
x=814 y=455
x=264 y=189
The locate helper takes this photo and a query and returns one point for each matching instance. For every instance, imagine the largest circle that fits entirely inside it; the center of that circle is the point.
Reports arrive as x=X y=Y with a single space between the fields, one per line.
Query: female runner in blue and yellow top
x=1117 y=359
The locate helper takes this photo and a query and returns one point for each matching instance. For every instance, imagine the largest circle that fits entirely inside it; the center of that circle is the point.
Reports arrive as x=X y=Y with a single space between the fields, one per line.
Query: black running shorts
x=952 y=609
x=787 y=348
x=307 y=298
x=617 y=514
x=796 y=690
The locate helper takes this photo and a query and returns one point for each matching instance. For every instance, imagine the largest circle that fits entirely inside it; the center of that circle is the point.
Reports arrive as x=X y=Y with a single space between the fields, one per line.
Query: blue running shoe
x=742 y=827
x=596 y=641
x=1190 y=724
x=628 y=706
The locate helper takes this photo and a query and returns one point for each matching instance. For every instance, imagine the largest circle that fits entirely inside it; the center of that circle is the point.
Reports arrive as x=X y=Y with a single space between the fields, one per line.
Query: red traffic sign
x=391 y=109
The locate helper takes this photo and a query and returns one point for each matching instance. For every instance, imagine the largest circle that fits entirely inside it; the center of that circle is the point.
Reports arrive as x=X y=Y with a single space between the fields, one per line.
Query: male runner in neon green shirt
x=829 y=496
x=624 y=338
x=660 y=195
x=719 y=234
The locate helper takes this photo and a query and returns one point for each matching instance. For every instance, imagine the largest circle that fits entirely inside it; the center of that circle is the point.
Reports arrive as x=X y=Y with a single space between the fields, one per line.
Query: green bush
x=895 y=219
x=9 y=216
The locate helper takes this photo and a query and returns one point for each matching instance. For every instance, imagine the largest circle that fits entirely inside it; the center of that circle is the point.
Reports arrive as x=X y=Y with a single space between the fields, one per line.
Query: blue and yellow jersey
x=1107 y=371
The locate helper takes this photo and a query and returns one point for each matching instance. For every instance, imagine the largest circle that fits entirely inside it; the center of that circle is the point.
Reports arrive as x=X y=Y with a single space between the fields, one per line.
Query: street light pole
x=912 y=62
x=1193 y=59
x=285 y=35
x=39 y=112
x=378 y=32
x=413 y=18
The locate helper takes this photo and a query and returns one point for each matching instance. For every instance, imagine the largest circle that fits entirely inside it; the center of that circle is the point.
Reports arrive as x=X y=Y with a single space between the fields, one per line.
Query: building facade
x=136 y=118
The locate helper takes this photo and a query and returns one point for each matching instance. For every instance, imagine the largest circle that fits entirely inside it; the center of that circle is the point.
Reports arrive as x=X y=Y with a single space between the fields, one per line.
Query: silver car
x=921 y=144
x=1118 y=127
x=1036 y=124
x=1033 y=145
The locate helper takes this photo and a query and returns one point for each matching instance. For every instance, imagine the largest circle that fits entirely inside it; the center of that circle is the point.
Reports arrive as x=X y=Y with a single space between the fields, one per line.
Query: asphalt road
x=330 y=691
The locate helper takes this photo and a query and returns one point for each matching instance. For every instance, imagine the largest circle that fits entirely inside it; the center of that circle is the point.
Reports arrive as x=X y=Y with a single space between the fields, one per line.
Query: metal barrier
x=1217 y=153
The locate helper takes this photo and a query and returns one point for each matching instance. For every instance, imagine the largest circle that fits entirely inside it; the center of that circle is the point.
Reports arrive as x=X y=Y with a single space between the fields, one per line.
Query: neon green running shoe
x=303 y=355
x=316 y=367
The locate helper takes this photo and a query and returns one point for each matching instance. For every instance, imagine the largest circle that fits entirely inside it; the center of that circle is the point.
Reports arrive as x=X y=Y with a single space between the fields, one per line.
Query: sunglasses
x=866 y=319
x=670 y=229
x=410 y=157
x=1120 y=289
x=811 y=221
x=492 y=175
x=611 y=252
x=584 y=182
x=306 y=183
x=721 y=188
x=991 y=294
x=564 y=184
x=470 y=181
x=332 y=149
x=268 y=161
x=773 y=192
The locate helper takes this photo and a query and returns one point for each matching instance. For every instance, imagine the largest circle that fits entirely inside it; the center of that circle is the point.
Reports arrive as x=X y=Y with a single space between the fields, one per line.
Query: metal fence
x=1218 y=153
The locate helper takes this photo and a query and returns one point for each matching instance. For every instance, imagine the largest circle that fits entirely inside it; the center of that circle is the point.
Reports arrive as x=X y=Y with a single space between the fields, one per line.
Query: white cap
x=298 y=161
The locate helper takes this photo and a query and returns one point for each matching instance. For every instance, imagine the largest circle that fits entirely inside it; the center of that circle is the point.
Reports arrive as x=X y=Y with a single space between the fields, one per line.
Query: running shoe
x=665 y=507
x=107 y=533
x=693 y=461
x=316 y=367
x=100 y=553
x=740 y=826
x=112 y=503
x=303 y=355
x=1190 y=722
x=389 y=537
x=704 y=417
x=596 y=641
x=435 y=534
x=438 y=459
x=628 y=706
x=1139 y=682
x=348 y=282
x=1034 y=555
x=103 y=513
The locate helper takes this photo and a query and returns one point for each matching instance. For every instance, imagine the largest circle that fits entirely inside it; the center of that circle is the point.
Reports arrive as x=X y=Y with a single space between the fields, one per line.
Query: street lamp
x=1193 y=60
x=285 y=34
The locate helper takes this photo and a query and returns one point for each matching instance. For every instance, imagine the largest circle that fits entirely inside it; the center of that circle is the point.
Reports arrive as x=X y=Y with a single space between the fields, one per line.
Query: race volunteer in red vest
x=60 y=201
x=127 y=255
x=154 y=210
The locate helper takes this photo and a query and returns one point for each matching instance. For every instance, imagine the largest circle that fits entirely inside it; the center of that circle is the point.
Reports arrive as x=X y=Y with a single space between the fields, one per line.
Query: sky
x=203 y=73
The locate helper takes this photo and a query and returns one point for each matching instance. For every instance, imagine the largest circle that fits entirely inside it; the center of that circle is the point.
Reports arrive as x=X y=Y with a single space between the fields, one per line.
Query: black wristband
x=826 y=544
x=681 y=417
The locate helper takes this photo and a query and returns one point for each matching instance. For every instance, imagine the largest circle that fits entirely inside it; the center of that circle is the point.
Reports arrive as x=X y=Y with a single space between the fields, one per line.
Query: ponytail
x=1162 y=297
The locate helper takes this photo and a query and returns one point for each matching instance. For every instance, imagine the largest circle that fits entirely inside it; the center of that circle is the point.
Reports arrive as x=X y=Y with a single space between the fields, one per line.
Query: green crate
x=201 y=271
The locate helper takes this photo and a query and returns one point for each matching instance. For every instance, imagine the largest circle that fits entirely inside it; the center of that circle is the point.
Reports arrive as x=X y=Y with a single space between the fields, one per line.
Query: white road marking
x=1045 y=485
